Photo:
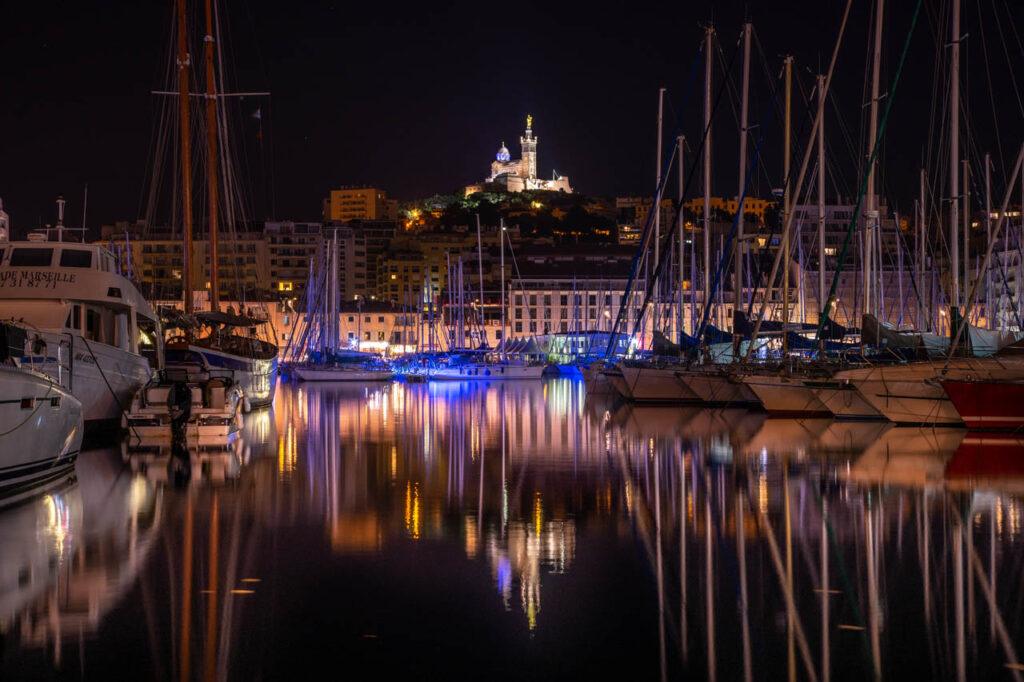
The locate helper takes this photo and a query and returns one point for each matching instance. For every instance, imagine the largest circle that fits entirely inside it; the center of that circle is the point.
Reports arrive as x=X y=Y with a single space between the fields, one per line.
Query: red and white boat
x=988 y=405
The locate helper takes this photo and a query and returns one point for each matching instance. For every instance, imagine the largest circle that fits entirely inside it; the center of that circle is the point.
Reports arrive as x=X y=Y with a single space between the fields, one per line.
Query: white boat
x=225 y=349
x=40 y=431
x=214 y=413
x=786 y=395
x=912 y=393
x=72 y=293
x=718 y=386
x=652 y=384
x=218 y=340
x=842 y=398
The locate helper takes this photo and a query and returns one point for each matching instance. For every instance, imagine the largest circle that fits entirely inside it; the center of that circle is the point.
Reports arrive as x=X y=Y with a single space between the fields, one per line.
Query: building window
x=351 y=318
x=380 y=319
x=519 y=327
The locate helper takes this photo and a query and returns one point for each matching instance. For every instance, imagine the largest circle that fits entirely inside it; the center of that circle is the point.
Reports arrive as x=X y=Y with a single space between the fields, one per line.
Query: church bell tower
x=529 y=146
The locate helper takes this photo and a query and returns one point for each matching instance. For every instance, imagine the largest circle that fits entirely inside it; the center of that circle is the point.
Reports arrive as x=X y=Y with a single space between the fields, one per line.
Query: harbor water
x=522 y=530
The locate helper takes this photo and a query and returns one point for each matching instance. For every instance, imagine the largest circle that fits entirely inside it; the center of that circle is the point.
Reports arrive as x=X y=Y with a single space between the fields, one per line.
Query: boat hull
x=255 y=376
x=988 y=405
x=913 y=393
x=657 y=385
x=41 y=425
x=786 y=396
x=719 y=388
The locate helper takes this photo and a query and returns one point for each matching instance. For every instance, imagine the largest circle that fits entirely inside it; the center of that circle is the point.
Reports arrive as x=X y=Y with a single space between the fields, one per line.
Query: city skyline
x=413 y=102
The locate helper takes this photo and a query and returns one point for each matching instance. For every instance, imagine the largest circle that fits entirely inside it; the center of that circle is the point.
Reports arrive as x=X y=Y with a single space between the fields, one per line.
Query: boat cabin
x=75 y=288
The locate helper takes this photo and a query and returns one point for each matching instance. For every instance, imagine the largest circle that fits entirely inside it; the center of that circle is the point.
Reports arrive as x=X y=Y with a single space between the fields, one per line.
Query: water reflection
x=515 y=526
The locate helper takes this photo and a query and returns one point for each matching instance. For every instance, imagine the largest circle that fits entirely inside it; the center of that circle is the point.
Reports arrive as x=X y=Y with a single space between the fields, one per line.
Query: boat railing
x=49 y=353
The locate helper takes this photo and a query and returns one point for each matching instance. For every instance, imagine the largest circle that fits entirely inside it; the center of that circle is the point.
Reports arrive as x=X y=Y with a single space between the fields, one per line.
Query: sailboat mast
x=785 y=201
x=211 y=159
x=922 y=320
x=709 y=56
x=480 y=268
x=954 y=155
x=871 y=215
x=682 y=243
x=657 y=205
x=988 y=240
x=501 y=239
x=966 y=227
x=186 y=158
x=741 y=251
x=821 y=196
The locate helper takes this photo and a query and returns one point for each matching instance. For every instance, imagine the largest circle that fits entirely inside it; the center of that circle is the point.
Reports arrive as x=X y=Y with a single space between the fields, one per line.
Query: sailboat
x=508 y=361
x=223 y=343
x=320 y=355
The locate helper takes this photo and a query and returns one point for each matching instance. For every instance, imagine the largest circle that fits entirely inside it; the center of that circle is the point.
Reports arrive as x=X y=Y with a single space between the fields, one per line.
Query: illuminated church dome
x=503 y=154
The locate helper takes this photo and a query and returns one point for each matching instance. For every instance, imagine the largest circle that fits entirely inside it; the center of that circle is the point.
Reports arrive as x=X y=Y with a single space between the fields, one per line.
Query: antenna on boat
x=60 y=217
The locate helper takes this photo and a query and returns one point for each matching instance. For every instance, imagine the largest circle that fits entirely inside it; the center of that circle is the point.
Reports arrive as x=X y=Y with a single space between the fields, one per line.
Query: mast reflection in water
x=512 y=529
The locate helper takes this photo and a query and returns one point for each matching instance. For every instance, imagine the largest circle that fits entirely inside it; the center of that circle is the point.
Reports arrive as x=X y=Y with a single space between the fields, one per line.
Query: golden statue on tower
x=529 y=121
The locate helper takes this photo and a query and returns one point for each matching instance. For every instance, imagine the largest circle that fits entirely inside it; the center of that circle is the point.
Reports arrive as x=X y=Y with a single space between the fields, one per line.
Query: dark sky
x=416 y=100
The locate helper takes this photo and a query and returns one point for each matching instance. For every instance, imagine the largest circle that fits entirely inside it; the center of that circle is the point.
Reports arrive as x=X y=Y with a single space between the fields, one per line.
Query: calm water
x=518 y=531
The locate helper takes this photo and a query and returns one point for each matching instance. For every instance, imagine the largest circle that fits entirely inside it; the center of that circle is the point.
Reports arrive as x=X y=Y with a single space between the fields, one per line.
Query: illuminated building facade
x=359 y=203
x=508 y=175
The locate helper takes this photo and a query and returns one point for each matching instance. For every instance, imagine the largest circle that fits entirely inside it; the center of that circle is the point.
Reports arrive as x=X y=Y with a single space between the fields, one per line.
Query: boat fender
x=245 y=404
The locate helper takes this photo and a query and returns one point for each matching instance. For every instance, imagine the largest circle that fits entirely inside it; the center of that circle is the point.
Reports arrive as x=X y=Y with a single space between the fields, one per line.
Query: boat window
x=74 y=317
x=92 y=324
x=31 y=258
x=75 y=258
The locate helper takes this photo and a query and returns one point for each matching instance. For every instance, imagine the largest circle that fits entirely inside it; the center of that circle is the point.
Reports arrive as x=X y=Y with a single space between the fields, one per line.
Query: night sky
x=417 y=100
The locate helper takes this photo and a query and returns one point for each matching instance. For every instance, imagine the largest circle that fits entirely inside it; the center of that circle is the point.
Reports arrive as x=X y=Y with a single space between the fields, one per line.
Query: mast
x=709 y=56
x=501 y=239
x=821 y=196
x=211 y=160
x=186 y=159
x=680 y=141
x=954 y=155
x=480 y=268
x=966 y=227
x=657 y=205
x=741 y=250
x=921 y=216
x=785 y=203
x=988 y=240
x=871 y=215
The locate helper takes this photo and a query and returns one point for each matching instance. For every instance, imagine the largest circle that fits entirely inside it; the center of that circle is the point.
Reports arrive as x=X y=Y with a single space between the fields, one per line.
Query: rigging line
x=652 y=282
x=732 y=231
x=1006 y=53
x=864 y=184
x=991 y=91
x=937 y=73
x=646 y=235
x=819 y=120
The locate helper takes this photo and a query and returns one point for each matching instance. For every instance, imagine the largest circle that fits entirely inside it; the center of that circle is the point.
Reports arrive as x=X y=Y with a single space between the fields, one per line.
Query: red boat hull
x=988 y=405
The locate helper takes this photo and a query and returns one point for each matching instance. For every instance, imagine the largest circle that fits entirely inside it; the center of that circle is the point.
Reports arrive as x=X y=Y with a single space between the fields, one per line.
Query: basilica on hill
x=521 y=174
